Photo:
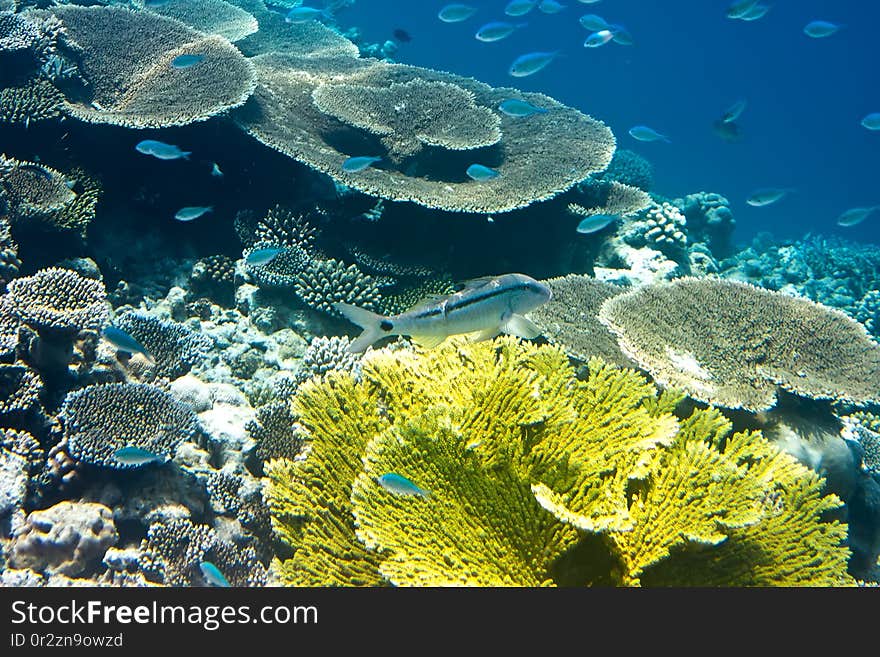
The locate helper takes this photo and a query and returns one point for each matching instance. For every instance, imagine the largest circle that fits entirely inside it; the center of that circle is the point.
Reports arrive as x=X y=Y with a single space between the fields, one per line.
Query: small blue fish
x=192 y=212
x=305 y=14
x=820 y=29
x=734 y=111
x=520 y=7
x=644 y=133
x=496 y=30
x=551 y=6
x=621 y=35
x=456 y=13
x=137 y=456
x=856 y=215
x=400 y=485
x=264 y=256
x=595 y=223
x=739 y=8
x=756 y=12
x=599 y=38
x=215 y=171
x=531 y=63
x=161 y=150
x=185 y=61
x=761 y=197
x=871 y=121
x=593 y=22
x=481 y=173
x=520 y=108
x=359 y=163
x=213 y=574
x=124 y=342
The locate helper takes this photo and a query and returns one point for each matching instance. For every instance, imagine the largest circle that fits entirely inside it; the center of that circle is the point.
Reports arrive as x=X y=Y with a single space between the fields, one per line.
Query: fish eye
x=385 y=325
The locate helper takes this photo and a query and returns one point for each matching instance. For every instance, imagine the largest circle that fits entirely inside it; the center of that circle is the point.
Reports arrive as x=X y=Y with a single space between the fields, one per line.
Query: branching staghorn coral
x=35 y=100
x=408 y=116
x=536 y=159
x=325 y=282
x=127 y=56
x=174 y=548
x=210 y=16
x=732 y=344
x=527 y=475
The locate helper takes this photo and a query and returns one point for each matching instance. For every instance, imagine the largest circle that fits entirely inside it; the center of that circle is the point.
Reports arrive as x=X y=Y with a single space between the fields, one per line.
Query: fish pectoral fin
x=521 y=327
x=428 y=341
x=486 y=334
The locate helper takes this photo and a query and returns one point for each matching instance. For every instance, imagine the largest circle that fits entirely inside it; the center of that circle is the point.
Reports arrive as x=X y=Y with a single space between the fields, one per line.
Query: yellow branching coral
x=525 y=475
x=310 y=499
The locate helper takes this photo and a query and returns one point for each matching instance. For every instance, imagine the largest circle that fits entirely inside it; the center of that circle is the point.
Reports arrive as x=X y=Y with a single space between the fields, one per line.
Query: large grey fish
x=489 y=305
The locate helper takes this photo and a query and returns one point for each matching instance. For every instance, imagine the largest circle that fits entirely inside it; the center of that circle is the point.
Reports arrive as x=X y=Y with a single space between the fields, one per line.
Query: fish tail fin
x=367 y=320
x=186 y=154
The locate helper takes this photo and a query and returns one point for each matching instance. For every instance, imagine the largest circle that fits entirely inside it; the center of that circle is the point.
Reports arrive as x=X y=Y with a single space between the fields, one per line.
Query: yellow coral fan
x=526 y=476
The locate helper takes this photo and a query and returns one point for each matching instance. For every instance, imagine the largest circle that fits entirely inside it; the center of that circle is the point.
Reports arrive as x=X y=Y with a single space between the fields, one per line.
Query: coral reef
x=661 y=227
x=99 y=420
x=174 y=348
x=173 y=550
x=126 y=57
x=833 y=271
x=325 y=282
x=571 y=318
x=733 y=344
x=529 y=476
x=56 y=300
x=31 y=191
x=36 y=100
x=283 y=115
x=629 y=168
x=709 y=220
x=409 y=116
x=69 y=538
x=210 y=17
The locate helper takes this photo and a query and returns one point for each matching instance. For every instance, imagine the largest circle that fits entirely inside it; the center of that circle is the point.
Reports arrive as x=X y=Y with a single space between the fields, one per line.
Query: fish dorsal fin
x=428 y=301
x=428 y=341
x=474 y=283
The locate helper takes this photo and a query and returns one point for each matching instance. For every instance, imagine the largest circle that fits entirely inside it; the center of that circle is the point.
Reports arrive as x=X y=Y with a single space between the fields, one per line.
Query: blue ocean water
x=689 y=63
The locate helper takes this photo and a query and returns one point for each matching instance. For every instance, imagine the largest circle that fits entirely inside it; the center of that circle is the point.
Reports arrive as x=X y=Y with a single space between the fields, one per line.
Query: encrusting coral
x=732 y=344
x=527 y=475
x=127 y=56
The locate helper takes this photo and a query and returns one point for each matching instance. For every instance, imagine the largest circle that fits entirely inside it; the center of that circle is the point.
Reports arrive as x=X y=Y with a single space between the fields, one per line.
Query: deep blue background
x=805 y=96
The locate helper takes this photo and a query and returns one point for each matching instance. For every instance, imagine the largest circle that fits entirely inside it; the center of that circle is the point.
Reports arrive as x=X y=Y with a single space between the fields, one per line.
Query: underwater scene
x=412 y=293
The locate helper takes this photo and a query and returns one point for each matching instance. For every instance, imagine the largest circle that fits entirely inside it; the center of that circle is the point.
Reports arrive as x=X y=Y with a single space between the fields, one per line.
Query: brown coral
x=731 y=344
x=126 y=56
x=571 y=318
x=210 y=16
x=536 y=159
x=410 y=115
x=58 y=299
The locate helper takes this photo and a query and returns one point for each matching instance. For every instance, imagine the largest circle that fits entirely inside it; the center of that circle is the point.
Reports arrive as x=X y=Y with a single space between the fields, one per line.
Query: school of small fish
x=602 y=32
